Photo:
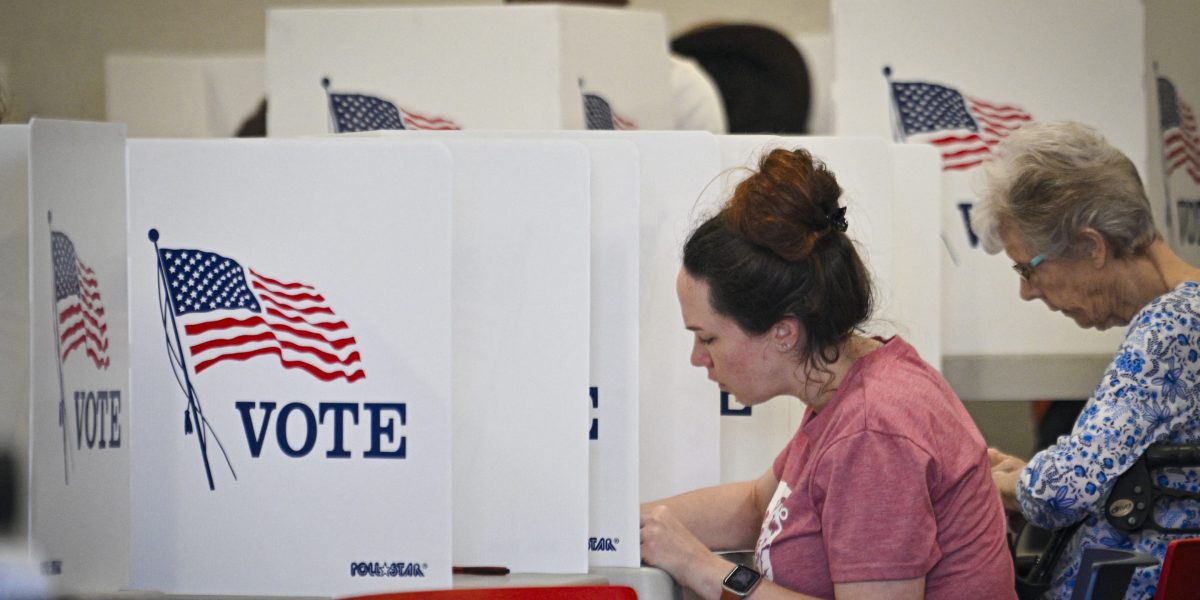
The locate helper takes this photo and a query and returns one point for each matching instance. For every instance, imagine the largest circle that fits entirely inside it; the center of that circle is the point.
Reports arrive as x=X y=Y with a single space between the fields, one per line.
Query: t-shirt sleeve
x=872 y=492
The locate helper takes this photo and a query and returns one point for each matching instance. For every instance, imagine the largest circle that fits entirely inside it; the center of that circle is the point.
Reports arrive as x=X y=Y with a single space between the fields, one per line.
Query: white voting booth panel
x=521 y=307
x=1173 y=76
x=183 y=96
x=679 y=425
x=521 y=304
x=79 y=485
x=613 y=516
x=817 y=50
x=893 y=221
x=1037 y=60
x=613 y=384
x=79 y=354
x=494 y=67
x=292 y=354
x=917 y=269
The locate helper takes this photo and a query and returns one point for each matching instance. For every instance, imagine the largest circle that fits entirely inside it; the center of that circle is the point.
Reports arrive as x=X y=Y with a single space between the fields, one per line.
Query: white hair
x=1049 y=181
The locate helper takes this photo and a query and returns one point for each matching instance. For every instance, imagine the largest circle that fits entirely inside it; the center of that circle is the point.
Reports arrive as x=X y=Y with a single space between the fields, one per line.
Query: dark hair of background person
x=773 y=252
x=255 y=125
x=761 y=74
x=3 y=103
x=8 y=491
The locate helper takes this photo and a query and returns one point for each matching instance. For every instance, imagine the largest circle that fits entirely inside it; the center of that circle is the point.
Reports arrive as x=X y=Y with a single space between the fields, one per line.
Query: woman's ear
x=1093 y=247
x=786 y=333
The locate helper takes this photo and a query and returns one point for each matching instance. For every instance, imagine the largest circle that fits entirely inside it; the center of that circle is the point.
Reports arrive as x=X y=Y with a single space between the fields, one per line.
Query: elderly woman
x=1070 y=211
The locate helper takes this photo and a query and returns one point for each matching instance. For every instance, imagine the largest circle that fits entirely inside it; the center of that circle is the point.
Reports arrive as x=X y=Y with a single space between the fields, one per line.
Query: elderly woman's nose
x=1029 y=291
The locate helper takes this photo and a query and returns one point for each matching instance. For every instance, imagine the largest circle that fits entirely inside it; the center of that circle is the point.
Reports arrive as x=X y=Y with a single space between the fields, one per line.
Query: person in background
x=695 y=101
x=885 y=490
x=763 y=78
x=1069 y=210
x=19 y=575
x=255 y=124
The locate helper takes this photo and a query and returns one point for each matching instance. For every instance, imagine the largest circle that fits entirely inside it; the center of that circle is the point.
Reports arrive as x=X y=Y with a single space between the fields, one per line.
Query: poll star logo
x=964 y=128
x=603 y=544
x=350 y=112
x=216 y=310
x=81 y=329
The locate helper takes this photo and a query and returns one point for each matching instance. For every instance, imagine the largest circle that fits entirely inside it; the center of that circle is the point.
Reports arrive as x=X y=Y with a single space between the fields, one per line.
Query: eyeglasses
x=1025 y=270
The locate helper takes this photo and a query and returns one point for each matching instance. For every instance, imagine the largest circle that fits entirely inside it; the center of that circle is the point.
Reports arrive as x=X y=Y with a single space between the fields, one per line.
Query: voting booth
x=678 y=415
x=679 y=419
x=960 y=80
x=640 y=198
x=292 y=357
x=467 y=67
x=183 y=96
x=1173 y=78
x=66 y=352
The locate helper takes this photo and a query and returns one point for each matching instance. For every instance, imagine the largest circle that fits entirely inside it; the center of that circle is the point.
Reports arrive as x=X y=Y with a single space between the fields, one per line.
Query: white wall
x=55 y=49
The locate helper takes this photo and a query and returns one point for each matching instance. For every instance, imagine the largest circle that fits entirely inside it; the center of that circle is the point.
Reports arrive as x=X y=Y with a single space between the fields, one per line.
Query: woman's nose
x=1029 y=291
x=700 y=357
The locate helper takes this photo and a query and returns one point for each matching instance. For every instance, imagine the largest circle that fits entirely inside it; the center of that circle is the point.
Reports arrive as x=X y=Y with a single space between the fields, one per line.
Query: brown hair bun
x=788 y=206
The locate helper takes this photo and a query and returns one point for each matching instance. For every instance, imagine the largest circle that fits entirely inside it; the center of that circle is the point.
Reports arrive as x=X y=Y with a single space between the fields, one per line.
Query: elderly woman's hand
x=1006 y=471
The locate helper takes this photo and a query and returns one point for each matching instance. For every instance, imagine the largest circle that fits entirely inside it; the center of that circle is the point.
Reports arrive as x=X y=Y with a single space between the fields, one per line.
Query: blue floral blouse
x=1149 y=393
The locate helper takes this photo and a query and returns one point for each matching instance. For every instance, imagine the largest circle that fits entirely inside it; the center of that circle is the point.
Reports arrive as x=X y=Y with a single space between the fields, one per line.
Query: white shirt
x=695 y=100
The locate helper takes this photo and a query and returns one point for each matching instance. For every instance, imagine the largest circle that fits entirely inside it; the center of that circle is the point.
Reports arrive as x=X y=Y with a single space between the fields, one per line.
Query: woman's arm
x=703 y=573
x=667 y=544
x=1141 y=400
x=723 y=517
x=678 y=533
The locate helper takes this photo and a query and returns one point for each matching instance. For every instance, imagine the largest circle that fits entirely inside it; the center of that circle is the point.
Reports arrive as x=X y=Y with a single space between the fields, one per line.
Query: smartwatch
x=739 y=583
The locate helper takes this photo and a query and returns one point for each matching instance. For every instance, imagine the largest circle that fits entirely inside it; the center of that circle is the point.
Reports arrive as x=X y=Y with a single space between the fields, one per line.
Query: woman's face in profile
x=1071 y=286
x=747 y=366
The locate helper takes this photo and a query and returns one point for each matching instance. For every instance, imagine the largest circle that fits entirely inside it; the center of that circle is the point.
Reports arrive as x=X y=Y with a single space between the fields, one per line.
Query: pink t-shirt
x=891 y=480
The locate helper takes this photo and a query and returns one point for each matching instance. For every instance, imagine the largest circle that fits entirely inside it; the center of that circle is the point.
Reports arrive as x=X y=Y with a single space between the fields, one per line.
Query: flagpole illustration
x=194 y=420
x=63 y=422
x=897 y=127
x=333 y=125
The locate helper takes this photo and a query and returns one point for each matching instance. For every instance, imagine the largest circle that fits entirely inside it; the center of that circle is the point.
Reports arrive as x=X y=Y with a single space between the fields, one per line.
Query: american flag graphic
x=227 y=312
x=962 y=127
x=600 y=115
x=1181 y=143
x=360 y=112
x=81 y=323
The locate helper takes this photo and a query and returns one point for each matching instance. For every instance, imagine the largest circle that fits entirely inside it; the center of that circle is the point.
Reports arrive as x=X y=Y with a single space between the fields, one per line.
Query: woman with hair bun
x=885 y=491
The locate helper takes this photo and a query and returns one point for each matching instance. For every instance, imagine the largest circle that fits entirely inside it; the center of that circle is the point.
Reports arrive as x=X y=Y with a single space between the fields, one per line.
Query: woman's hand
x=670 y=546
x=1006 y=472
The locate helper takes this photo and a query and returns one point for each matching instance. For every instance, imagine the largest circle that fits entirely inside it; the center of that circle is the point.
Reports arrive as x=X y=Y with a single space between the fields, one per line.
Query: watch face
x=742 y=579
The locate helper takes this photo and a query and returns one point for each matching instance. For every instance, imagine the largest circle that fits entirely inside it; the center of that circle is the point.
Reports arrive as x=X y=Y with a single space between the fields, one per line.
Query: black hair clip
x=837 y=219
